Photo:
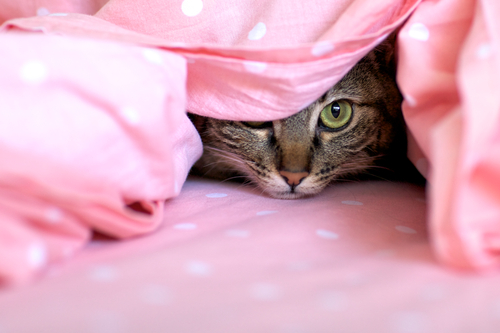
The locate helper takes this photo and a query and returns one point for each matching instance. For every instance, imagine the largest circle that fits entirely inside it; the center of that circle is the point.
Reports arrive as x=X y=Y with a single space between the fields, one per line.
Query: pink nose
x=293 y=178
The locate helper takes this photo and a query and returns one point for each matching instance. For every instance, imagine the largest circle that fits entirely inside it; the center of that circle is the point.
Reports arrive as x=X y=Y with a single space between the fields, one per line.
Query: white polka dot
x=198 y=268
x=266 y=212
x=410 y=100
x=352 y=203
x=185 y=226
x=238 y=233
x=153 y=56
x=192 y=7
x=53 y=215
x=103 y=273
x=257 y=32
x=42 y=11
x=255 y=66
x=156 y=294
x=216 y=195
x=408 y=322
x=322 y=48
x=332 y=301
x=59 y=14
x=419 y=31
x=404 y=229
x=37 y=255
x=265 y=292
x=326 y=234
x=34 y=72
x=131 y=115
x=422 y=166
x=484 y=51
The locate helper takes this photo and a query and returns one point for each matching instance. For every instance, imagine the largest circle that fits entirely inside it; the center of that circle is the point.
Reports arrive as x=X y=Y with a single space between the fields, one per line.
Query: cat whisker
x=229 y=157
x=232 y=178
x=248 y=183
x=225 y=154
x=344 y=180
x=211 y=166
x=228 y=154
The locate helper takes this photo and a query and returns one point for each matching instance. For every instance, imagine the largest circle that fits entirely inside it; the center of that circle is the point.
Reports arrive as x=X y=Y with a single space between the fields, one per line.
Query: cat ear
x=386 y=53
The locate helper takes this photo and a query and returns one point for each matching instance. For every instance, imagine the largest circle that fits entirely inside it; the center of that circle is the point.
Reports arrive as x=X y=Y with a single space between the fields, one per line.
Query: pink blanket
x=94 y=135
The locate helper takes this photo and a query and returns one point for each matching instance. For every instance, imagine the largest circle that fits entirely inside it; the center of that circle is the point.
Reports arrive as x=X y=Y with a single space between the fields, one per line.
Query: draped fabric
x=94 y=135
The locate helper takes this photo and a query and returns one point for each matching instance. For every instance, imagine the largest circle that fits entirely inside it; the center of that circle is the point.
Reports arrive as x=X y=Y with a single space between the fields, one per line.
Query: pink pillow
x=93 y=137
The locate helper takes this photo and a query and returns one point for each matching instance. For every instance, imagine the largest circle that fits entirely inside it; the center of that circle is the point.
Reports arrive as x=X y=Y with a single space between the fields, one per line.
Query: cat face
x=354 y=126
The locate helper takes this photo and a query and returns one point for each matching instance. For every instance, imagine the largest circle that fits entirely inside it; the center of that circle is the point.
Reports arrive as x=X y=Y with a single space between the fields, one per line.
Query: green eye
x=258 y=124
x=336 y=114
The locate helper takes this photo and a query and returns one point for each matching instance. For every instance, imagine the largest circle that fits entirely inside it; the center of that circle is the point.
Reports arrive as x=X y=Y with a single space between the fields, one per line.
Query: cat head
x=354 y=126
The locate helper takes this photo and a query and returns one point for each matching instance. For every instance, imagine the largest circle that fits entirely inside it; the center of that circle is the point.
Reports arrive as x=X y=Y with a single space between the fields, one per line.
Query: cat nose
x=293 y=178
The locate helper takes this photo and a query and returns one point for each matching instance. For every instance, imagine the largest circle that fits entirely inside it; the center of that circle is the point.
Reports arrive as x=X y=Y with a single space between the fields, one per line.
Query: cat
x=354 y=127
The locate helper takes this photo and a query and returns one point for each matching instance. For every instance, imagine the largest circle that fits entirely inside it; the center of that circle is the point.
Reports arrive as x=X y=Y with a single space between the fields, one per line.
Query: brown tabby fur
x=299 y=144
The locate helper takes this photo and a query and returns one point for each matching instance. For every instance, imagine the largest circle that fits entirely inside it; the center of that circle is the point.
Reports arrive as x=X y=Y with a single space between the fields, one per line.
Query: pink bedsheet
x=94 y=135
x=356 y=258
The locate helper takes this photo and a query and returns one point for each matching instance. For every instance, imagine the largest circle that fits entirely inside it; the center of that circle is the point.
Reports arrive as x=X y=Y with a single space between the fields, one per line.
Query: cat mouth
x=278 y=188
x=289 y=195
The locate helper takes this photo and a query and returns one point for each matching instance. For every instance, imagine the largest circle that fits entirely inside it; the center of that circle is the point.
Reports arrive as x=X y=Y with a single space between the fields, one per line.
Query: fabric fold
x=94 y=133
x=87 y=138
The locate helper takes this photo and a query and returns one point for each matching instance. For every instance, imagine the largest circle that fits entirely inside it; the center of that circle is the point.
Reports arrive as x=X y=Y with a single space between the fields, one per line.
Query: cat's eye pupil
x=336 y=115
x=335 y=110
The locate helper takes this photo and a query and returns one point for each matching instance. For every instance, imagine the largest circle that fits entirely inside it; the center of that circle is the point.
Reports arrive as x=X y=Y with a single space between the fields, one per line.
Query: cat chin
x=289 y=195
x=282 y=191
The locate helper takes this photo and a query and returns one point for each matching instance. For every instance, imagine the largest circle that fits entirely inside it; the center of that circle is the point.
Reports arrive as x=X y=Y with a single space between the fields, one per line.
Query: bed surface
x=355 y=258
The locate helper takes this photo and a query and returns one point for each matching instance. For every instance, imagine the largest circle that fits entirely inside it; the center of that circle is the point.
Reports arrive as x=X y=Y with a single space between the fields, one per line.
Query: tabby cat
x=355 y=126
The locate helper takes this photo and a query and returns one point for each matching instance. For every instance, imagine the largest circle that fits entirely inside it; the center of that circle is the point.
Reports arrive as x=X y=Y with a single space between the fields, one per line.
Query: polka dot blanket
x=356 y=258
x=95 y=143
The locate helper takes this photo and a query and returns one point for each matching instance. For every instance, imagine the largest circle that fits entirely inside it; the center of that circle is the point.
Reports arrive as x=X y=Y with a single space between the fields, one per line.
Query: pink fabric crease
x=94 y=135
x=453 y=88
x=81 y=142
